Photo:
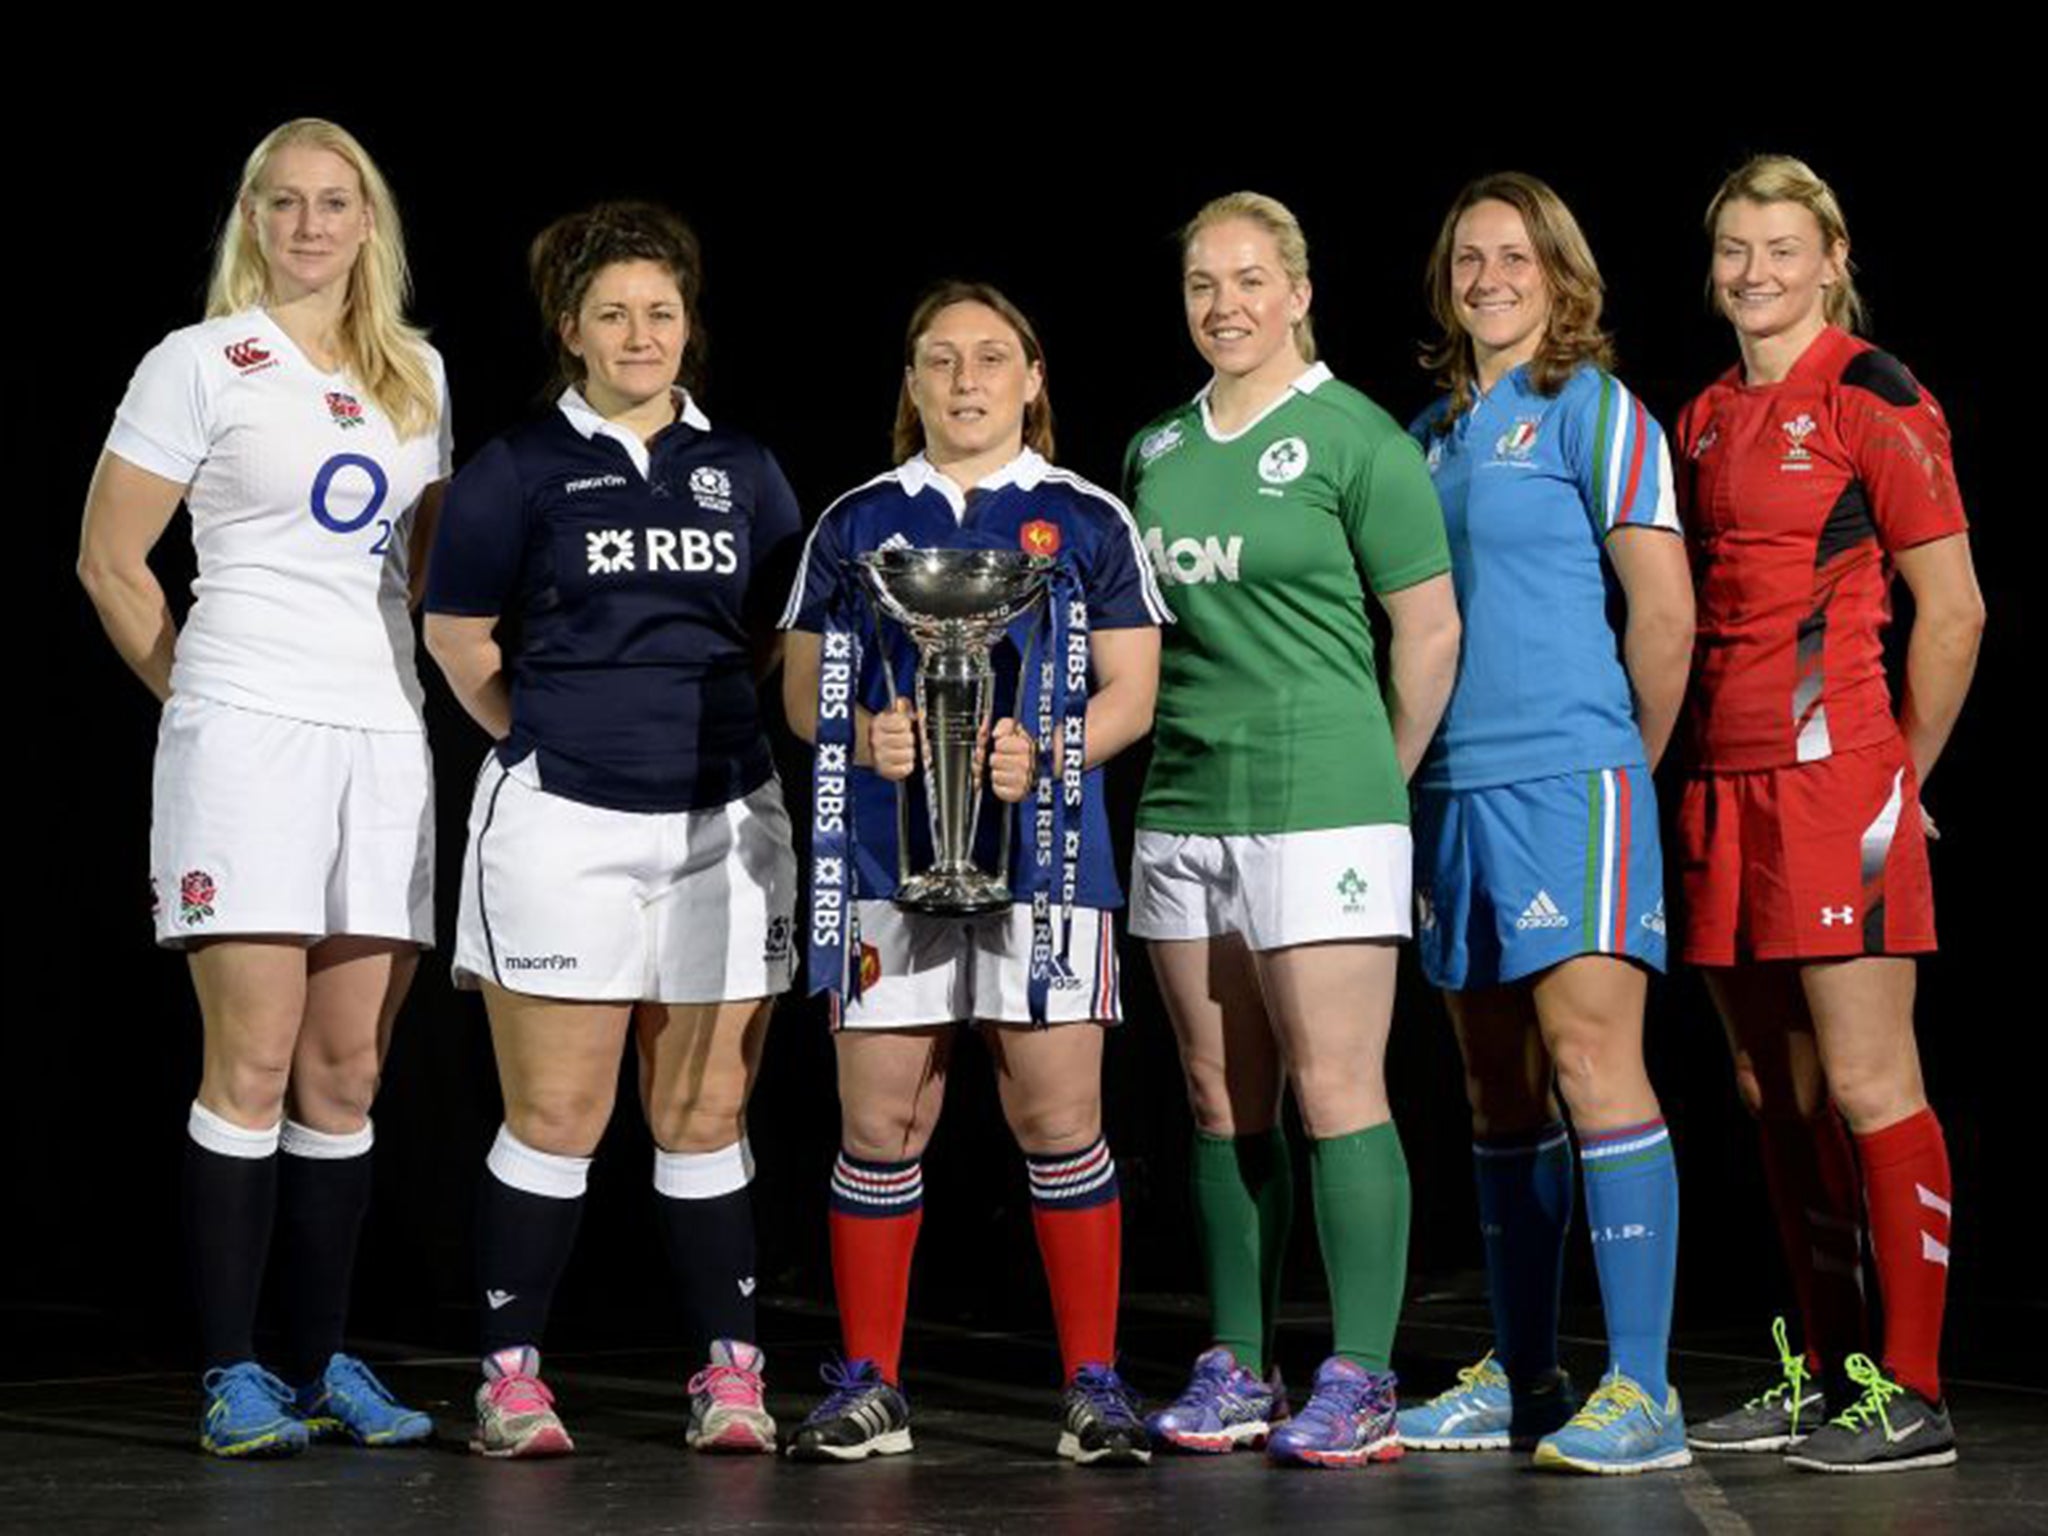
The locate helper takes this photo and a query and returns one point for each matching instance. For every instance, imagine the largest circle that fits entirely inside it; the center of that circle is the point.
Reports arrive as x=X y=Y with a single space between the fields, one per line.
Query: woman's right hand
x=892 y=742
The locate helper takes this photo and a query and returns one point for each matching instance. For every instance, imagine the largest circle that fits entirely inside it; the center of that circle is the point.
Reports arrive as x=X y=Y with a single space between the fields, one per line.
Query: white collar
x=579 y=414
x=1305 y=383
x=917 y=472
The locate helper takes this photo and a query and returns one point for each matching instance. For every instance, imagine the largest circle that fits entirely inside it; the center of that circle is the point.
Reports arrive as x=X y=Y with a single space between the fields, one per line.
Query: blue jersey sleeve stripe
x=1155 y=603
x=1639 y=481
x=795 y=605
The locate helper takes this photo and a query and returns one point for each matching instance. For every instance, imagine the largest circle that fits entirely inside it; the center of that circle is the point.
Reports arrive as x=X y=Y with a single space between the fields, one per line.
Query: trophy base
x=962 y=893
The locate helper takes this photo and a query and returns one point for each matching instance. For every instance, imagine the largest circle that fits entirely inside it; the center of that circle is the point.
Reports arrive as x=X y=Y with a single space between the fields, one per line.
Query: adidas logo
x=1542 y=913
x=894 y=541
x=498 y=1299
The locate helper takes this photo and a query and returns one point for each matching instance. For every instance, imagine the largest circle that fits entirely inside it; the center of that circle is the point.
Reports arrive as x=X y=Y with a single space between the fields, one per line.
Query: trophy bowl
x=955 y=604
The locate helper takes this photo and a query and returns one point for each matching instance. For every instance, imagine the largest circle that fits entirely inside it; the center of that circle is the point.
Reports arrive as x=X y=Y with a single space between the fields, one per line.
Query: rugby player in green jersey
x=1273 y=867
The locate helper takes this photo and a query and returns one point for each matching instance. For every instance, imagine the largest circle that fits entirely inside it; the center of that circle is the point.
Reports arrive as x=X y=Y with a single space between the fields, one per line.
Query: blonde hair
x=908 y=436
x=381 y=351
x=1572 y=335
x=1784 y=179
x=1277 y=220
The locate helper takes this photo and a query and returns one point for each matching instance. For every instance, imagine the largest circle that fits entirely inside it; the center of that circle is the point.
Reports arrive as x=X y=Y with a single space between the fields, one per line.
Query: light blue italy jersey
x=1531 y=487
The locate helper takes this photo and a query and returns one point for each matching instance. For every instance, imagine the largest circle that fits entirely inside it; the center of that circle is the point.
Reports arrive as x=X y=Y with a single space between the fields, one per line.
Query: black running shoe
x=863 y=1417
x=1889 y=1428
x=1101 y=1427
x=1775 y=1419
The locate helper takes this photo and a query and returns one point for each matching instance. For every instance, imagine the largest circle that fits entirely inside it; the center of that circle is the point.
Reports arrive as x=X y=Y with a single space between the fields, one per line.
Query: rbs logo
x=614 y=550
x=1194 y=562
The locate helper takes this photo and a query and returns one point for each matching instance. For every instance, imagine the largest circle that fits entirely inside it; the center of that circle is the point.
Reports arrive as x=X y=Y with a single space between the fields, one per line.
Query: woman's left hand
x=1012 y=761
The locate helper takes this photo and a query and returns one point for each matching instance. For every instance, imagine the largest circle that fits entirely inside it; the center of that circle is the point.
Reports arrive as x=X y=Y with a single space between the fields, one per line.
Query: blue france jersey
x=1027 y=505
x=630 y=576
x=1531 y=487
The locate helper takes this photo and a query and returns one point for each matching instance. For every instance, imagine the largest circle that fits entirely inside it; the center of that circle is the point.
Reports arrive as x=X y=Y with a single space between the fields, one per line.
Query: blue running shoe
x=1349 y=1422
x=864 y=1416
x=1619 y=1432
x=249 y=1413
x=348 y=1402
x=1471 y=1416
x=1099 y=1425
x=1224 y=1406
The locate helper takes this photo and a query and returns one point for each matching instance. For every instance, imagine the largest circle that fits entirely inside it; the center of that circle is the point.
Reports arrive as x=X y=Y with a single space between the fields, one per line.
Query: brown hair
x=566 y=257
x=1572 y=335
x=1783 y=179
x=908 y=437
x=1277 y=220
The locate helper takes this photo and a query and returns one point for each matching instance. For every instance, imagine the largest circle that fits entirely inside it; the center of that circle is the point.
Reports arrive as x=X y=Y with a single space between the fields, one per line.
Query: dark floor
x=116 y=1453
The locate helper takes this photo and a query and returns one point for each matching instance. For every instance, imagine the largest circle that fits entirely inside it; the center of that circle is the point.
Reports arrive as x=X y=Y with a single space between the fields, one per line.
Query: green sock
x=1361 y=1193
x=1243 y=1189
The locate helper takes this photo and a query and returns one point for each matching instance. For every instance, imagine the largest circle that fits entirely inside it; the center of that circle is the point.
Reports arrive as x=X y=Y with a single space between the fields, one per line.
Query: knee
x=1595 y=1071
x=1337 y=1099
x=1749 y=1087
x=706 y=1118
x=248 y=1089
x=567 y=1123
x=1504 y=1103
x=1873 y=1095
x=332 y=1090
x=885 y=1133
x=1223 y=1107
x=1066 y=1126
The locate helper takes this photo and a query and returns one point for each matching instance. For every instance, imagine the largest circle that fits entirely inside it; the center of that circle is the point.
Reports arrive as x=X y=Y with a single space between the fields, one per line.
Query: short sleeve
x=776 y=540
x=1618 y=457
x=481 y=541
x=1392 y=517
x=1122 y=590
x=1898 y=440
x=820 y=570
x=164 y=425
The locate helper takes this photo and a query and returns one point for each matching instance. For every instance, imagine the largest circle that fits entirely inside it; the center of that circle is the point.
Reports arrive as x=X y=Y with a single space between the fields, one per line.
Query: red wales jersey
x=1794 y=496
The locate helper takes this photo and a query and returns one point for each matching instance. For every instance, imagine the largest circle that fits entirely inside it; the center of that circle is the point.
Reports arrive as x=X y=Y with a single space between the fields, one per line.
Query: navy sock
x=230 y=1199
x=527 y=1214
x=707 y=1225
x=323 y=1189
x=1525 y=1209
x=1632 y=1208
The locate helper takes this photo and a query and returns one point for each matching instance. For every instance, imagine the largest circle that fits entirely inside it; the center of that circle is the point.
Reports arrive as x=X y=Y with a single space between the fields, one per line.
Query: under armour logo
x=1829 y=916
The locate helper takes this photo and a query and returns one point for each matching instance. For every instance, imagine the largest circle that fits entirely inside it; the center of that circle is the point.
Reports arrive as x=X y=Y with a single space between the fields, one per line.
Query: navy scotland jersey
x=1027 y=505
x=634 y=574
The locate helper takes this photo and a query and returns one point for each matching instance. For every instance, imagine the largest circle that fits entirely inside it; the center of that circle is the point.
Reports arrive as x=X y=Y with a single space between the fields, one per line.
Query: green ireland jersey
x=1270 y=717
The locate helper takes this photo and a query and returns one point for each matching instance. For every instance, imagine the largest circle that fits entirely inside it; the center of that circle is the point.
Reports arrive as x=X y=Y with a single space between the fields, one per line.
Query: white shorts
x=263 y=824
x=1275 y=888
x=563 y=899
x=918 y=970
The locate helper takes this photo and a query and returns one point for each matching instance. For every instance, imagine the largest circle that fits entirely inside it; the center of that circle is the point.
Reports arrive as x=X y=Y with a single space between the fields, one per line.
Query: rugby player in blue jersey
x=973 y=446
x=1539 y=879
x=629 y=873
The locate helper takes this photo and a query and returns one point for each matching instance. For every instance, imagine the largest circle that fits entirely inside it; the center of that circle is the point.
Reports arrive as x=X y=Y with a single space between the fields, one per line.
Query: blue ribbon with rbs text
x=835 y=920
x=1056 y=815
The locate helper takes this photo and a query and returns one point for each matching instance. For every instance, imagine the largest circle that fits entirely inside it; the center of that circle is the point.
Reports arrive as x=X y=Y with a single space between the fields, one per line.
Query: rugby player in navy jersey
x=629 y=873
x=973 y=445
x=304 y=425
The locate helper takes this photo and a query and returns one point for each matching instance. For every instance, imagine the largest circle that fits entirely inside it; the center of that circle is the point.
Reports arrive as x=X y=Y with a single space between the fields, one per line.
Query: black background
x=822 y=218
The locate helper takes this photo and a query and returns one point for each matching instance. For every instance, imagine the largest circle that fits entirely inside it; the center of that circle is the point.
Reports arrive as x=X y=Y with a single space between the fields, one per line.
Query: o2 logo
x=380 y=488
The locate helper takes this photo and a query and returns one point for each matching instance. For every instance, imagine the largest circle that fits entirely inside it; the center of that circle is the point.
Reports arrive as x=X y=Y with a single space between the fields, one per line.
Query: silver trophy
x=955 y=604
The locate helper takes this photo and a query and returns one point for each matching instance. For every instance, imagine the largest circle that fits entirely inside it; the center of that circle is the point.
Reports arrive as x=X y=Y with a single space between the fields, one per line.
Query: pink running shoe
x=515 y=1412
x=725 y=1402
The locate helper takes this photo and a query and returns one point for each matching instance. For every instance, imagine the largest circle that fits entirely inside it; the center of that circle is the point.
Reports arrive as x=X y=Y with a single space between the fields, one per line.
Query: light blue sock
x=1525 y=1209
x=1632 y=1208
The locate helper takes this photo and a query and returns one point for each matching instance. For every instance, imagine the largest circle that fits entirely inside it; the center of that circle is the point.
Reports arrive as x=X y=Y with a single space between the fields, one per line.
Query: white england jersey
x=302 y=499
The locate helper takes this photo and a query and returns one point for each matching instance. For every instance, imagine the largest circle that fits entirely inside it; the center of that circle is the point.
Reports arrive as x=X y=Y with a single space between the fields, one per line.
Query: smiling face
x=1498 y=288
x=1242 y=307
x=1773 y=267
x=311 y=220
x=629 y=332
x=970 y=379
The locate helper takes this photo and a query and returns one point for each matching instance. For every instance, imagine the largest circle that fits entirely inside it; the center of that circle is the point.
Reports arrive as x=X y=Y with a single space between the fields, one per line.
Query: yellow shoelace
x=1616 y=1397
x=1485 y=1372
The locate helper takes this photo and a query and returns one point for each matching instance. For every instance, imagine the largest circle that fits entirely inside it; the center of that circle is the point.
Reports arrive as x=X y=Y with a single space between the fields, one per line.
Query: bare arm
x=466 y=649
x=1126 y=667
x=426 y=517
x=1941 y=654
x=1422 y=663
x=126 y=512
x=1656 y=647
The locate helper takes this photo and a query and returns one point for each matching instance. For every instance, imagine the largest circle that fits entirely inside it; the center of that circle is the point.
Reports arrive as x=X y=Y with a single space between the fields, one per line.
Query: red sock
x=876 y=1211
x=1906 y=1182
x=1079 y=1221
x=1817 y=1196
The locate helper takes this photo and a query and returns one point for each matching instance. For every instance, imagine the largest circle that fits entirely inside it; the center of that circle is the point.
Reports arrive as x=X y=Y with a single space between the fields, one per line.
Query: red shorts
x=1813 y=862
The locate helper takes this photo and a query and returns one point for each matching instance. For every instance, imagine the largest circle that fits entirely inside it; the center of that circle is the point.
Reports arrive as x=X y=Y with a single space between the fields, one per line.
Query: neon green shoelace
x=1877 y=1391
x=1792 y=1390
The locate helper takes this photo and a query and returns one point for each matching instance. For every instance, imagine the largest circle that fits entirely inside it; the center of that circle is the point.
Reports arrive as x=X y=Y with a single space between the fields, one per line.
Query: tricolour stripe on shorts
x=1606 y=888
x=1618 y=926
